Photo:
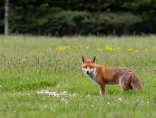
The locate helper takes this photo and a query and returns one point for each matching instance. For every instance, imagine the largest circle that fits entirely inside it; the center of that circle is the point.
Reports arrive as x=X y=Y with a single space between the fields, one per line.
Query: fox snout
x=87 y=72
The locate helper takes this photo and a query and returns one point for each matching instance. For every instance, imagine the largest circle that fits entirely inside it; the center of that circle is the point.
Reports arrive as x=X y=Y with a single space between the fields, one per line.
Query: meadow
x=41 y=77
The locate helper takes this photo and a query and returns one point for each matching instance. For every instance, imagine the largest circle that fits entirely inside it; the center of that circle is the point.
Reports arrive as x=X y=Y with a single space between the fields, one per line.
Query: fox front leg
x=102 y=89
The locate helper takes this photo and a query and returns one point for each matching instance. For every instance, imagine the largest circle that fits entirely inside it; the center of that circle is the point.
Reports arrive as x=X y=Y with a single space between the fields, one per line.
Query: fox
x=103 y=75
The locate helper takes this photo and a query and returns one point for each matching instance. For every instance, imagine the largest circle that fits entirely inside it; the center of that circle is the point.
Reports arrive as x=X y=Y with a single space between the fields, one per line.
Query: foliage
x=78 y=22
x=70 y=17
x=1 y=16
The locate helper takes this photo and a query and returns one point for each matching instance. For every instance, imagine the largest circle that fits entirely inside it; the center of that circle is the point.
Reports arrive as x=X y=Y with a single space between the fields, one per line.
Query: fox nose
x=87 y=72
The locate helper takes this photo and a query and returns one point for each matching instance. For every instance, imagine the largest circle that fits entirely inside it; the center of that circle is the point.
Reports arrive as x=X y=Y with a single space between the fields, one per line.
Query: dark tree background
x=80 y=17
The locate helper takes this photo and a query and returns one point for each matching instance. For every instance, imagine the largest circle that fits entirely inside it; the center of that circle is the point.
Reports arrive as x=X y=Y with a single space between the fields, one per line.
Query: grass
x=42 y=77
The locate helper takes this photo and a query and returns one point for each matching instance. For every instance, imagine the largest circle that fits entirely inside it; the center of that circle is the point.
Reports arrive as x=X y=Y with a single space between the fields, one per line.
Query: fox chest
x=92 y=77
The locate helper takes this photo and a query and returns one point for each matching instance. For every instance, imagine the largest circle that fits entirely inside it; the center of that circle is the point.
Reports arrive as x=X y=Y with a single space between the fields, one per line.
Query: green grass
x=41 y=77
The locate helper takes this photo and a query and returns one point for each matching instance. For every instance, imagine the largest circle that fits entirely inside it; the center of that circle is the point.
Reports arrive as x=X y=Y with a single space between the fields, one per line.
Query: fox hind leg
x=130 y=81
x=125 y=83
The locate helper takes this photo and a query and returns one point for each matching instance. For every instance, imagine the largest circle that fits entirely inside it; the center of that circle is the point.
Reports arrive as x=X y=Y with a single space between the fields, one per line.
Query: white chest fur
x=91 y=75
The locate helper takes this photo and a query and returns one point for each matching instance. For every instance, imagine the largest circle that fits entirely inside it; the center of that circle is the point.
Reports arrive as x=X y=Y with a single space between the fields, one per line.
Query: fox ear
x=93 y=59
x=83 y=59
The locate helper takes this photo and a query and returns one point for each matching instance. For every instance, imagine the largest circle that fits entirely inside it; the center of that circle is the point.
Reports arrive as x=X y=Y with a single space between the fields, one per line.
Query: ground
x=42 y=77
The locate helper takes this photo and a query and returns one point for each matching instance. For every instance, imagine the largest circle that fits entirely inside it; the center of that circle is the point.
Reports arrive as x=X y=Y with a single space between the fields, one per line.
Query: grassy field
x=41 y=77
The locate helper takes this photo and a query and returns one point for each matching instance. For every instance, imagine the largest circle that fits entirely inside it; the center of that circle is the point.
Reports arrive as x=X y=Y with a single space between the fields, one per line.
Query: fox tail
x=135 y=83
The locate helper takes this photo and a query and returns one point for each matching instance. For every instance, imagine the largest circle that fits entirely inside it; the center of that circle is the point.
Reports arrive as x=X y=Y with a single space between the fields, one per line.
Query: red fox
x=103 y=75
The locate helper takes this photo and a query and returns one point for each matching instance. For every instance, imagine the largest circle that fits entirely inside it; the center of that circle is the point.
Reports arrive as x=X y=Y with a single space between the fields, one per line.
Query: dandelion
x=68 y=47
x=108 y=102
x=130 y=49
x=108 y=48
x=87 y=47
x=62 y=48
x=136 y=50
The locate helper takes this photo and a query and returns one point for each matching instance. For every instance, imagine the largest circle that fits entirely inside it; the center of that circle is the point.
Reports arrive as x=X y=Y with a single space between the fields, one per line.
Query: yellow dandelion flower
x=68 y=47
x=136 y=50
x=63 y=48
x=130 y=49
x=108 y=48
x=87 y=47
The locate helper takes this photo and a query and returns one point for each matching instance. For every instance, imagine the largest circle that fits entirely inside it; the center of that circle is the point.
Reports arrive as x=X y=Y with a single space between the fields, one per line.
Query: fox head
x=88 y=66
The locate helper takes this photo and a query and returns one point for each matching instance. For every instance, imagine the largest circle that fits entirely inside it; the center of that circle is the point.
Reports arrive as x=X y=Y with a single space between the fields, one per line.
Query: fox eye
x=85 y=66
x=91 y=67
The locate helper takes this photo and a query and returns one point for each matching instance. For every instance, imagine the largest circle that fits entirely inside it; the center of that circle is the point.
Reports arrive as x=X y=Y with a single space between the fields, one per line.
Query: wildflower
x=108 y=102
x=130 y=49
x=136 y=50
x=55 y=94
x=108 y=48
x=68 y=47
x=74 y=95
x=120 y=99
x=87 y=47
x=62 y=48
x=45 y=105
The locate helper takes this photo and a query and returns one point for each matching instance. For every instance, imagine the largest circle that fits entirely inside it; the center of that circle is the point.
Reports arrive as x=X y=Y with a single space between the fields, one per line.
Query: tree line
x=79 y=17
